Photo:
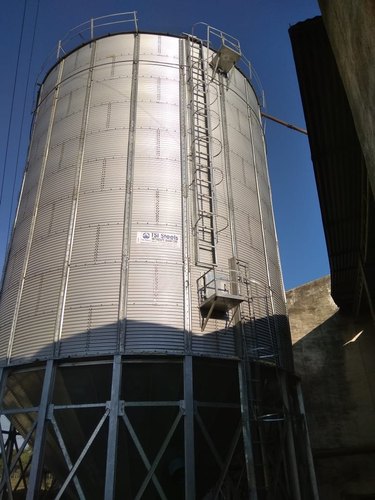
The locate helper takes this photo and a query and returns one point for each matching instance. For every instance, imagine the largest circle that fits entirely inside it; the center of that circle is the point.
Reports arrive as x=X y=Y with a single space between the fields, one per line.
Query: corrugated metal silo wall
x=109 y=165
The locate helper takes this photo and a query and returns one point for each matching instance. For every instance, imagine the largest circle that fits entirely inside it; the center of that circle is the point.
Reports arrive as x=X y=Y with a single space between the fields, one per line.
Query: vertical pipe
x=290 y=440
x=189 y=429
x=114 y=408
x=310 y=460
x=246 y=432
x=37 y=459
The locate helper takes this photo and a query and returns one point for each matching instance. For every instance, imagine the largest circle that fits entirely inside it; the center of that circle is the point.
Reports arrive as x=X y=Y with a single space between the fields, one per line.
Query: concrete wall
x=334 y=355
x=350 y=26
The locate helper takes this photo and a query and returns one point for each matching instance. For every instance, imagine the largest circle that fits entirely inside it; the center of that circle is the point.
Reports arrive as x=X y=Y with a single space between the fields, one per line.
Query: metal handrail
x=243 y=64
x=69 y=41
x=210 y=279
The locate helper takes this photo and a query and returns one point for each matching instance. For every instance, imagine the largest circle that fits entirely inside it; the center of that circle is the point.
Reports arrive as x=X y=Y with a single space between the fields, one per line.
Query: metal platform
x=218 y=294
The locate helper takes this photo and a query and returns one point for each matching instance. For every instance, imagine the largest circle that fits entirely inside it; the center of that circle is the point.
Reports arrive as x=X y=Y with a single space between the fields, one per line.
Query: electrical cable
x=12 y=102
x=22 y=118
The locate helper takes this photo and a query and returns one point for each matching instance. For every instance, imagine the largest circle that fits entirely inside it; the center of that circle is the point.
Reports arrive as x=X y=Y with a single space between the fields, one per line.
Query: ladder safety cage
x=257 y=318
x=228 y=54
x=223 y=291
x=201 y=154
x=227 y=49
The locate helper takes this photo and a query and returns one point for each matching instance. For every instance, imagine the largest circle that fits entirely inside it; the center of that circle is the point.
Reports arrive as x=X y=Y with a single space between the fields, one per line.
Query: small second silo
x=144 y=340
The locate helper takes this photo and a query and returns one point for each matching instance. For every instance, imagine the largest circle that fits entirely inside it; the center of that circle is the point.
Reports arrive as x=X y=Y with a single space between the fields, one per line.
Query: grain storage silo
x=144 y=342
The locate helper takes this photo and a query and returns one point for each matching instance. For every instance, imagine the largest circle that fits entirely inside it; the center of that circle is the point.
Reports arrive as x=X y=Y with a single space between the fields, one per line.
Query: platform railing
x=213 y=38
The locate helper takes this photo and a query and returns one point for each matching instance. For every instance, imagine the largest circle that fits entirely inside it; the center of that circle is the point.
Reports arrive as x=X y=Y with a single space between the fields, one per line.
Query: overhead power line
x=12 y=103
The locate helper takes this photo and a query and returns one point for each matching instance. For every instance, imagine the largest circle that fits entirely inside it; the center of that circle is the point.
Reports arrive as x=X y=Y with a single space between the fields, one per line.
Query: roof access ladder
x=201 y=154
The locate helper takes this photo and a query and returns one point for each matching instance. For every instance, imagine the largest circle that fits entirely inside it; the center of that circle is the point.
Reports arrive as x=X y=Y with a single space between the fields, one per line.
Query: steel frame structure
x=223 y=429
x=114 y=416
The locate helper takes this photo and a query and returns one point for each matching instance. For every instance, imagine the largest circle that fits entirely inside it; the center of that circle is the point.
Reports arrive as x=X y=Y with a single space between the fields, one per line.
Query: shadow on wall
x=152 y=388
x=265 y=338
x=335 y=360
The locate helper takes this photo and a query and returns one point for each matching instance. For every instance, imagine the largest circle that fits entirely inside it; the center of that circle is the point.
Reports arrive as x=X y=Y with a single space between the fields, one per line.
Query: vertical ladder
x=264 y=414
x=260 y=331
x=201 y=157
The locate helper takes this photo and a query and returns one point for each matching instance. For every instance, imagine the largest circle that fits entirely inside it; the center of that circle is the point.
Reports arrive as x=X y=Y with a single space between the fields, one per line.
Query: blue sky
x=262 y=29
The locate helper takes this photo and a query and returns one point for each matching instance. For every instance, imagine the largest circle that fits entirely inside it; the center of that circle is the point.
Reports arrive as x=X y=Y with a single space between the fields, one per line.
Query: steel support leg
x=110 y=475
x=6 y=473
x=246 y=432
x=189 y=429
x=290 y=442
x=37 y=460
x=310 y=460
x=16 y=459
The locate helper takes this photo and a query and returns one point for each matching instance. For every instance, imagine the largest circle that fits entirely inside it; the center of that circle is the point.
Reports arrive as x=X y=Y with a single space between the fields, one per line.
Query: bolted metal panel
x=162 y=328
x=36 y=317
x=89 y=330
x=159 y=48
x=39 y=140
x=15 y=262
x=163 y=173
x=20 y=237
x=77 y=62
x=218 y=343
x=155 y=265
x=112 y=248
x=115 y=47
x=97 y=244
x=108 y=89
x=8 y=300
x=66 y=128
x=46 y=254
x=103 y=174
x=49 y=83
